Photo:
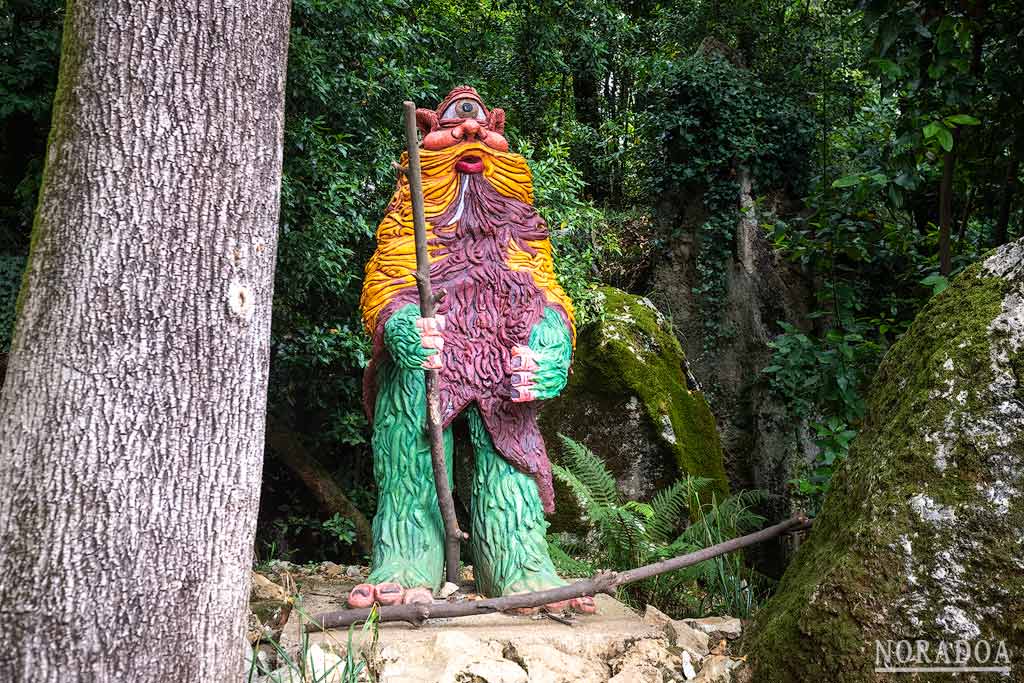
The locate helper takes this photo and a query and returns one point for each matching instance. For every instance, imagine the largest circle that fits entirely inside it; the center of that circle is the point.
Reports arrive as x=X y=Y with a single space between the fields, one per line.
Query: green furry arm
x=550 y=339
x=403 y=339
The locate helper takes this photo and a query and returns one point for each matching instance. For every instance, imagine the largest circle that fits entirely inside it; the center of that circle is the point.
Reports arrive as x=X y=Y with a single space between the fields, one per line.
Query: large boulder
x=628 y=399
x=922 y=535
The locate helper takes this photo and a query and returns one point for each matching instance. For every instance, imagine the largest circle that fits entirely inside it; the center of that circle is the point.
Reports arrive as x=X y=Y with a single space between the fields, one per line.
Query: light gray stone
x=655 y=617
x=715 y=669
x=717 y=628
x=687 y=638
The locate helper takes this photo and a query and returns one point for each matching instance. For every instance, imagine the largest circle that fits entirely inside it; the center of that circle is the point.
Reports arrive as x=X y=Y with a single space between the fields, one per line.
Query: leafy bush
x=11 y=268
x=627 y=534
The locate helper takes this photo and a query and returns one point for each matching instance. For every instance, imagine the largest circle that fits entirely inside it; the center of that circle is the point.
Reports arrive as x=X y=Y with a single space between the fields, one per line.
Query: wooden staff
x=602 y=582
x=453 y=535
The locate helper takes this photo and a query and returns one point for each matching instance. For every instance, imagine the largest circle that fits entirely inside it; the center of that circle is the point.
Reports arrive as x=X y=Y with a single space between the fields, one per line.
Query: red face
x=462 y=119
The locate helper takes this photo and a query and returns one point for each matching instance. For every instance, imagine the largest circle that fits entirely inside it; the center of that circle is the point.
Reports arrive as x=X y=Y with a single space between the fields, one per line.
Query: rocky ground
x=616 y=645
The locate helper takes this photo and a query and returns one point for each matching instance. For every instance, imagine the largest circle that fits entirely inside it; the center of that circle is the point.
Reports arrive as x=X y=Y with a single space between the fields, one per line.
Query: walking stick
x=453 y=535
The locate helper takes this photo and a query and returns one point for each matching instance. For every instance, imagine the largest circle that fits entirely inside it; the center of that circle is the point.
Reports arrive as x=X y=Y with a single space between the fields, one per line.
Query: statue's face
x=462 y=119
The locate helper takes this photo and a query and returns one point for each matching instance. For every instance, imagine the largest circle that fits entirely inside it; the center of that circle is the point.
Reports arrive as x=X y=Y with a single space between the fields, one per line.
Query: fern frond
x=593 y=509
x=565 y=563
x=591 y=471
x=671 y=507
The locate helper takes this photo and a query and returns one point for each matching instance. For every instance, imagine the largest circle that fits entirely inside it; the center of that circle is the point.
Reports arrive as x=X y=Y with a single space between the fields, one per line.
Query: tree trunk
x=318 y=480
x=1006 y=203
x=132 y=417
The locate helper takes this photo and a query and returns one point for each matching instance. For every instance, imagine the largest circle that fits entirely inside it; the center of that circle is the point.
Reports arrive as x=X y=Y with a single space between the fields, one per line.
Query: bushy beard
x=490 y=308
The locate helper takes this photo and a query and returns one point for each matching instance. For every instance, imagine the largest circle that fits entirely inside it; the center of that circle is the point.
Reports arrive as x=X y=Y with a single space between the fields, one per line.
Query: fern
x=671 y=507
x=589 y=469
x=566 y=563
x=627 y=534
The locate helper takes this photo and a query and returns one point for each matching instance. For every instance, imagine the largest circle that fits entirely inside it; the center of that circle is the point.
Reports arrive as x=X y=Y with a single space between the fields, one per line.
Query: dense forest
x=875 y=147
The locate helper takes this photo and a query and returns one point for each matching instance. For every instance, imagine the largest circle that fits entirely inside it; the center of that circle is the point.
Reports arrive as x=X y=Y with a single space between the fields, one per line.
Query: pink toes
x=418 y=596
x=365 y=594
x=389 y=593
x=584 y=605
x=361 y=596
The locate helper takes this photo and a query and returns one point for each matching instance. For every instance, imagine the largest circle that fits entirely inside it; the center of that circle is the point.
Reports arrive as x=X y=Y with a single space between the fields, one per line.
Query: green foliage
x=627 y=534
x=637 y=120
x=302 y=665
x=30 y=33
x=331 y=538
x=704 y=119
x=11 y=268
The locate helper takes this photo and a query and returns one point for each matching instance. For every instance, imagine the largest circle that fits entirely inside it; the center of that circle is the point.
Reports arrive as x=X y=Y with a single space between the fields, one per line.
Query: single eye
x=464 y=109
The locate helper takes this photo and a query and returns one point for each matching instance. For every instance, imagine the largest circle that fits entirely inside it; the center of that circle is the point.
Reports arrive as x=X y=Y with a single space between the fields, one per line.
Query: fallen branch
x=602 y=582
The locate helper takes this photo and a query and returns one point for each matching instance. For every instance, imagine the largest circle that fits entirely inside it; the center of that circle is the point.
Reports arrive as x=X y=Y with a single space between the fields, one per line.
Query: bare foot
x=418 y=596
x=584 y=605
x=559 y=606
x=361 y=596
x=389 y=593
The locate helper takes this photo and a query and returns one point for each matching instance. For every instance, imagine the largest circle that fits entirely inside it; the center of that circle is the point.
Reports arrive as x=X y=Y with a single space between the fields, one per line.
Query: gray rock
x=919 y=536
x=331 y=570
x=717 y=628
x=655 y=617
x=628 y=399
x=688 y=638
x=689 y=673
x=715 y=669
x=264 y=589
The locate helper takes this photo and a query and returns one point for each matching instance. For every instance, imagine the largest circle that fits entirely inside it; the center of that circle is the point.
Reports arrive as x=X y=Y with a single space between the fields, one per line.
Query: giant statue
x=502 y=340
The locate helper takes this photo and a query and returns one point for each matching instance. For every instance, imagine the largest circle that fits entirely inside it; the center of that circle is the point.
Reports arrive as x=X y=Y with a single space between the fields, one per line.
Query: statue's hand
x=539 y=371
x=414 y=342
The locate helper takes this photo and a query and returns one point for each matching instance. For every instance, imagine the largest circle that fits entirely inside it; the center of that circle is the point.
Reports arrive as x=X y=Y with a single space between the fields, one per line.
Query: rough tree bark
x=132 y=416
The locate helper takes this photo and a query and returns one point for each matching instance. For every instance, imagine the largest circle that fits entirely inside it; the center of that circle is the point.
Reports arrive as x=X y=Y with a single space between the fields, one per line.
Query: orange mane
x=392 y=267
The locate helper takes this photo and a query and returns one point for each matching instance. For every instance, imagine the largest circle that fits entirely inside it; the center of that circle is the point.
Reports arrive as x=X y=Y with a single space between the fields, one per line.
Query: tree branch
x=602 y=582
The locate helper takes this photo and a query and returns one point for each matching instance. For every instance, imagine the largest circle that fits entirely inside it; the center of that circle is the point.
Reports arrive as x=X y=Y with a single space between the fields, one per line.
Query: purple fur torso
x=489 y=309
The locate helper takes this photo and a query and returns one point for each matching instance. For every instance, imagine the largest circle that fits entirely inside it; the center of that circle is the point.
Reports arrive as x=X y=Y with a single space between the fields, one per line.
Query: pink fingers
x=524 y=365
x=523 y=358
x=431 y=338
x=522 y=394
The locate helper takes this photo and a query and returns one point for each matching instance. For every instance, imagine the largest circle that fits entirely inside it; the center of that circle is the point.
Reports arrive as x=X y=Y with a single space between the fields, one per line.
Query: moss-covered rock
x=628 y=400
x=922 y=535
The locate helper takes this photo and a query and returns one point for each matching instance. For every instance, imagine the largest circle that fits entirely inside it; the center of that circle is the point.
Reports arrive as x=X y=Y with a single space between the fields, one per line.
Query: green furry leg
x=510 y=552
x=408 y=533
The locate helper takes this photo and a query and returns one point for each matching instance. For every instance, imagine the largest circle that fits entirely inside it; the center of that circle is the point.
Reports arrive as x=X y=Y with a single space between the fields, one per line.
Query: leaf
x=906 y=181
x=847 y=181
x=937 y=282
x=962 y=120
x=932 y=129
x=945 y=139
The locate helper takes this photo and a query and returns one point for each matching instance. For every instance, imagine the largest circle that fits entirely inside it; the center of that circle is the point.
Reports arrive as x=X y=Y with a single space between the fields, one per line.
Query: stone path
x=615 y=645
